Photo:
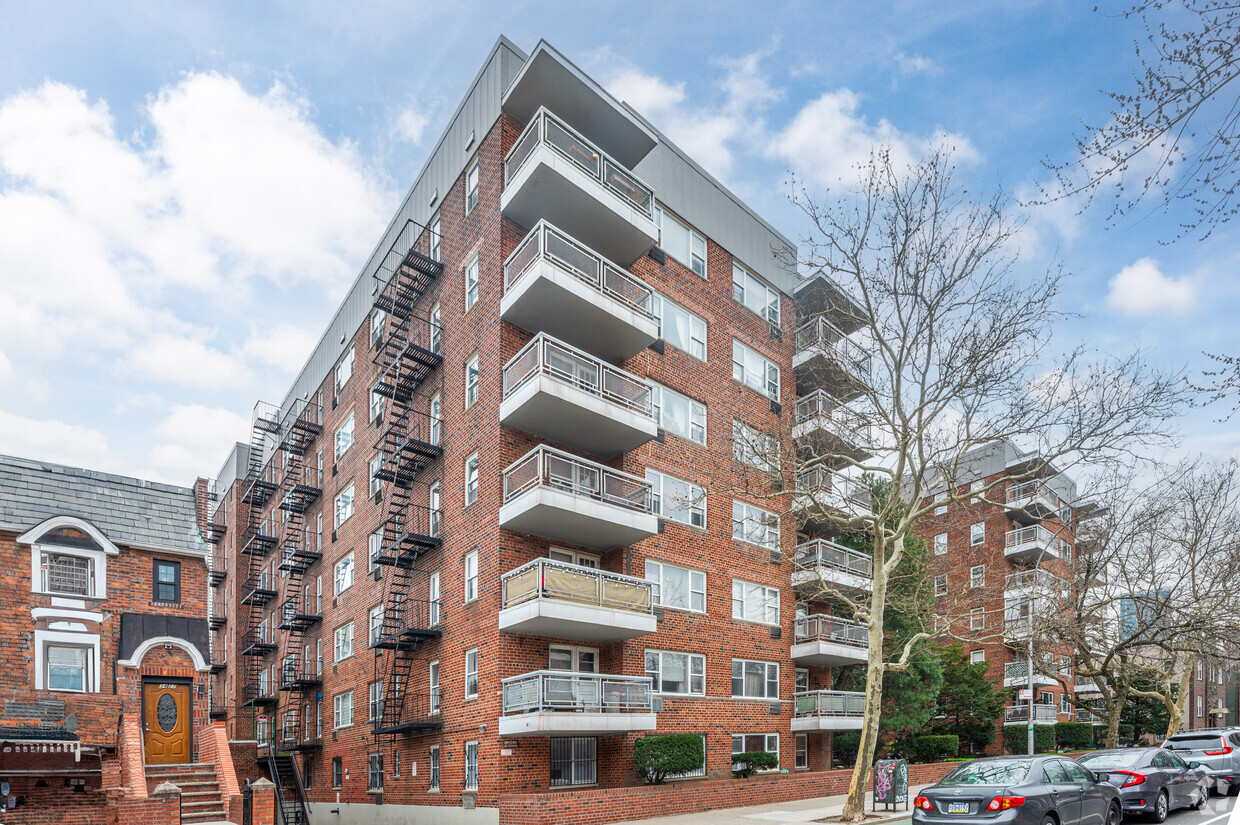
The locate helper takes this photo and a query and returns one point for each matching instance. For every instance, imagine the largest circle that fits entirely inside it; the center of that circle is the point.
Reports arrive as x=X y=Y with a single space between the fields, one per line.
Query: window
x=976 y=657
x=74 y=575
x=677 y=587
x=344 y=437
x=677 y=673
x=167 y=576
x=436 y=330
x=701 y=771
x=754 y=525
x=1065 y=550
x=754 y=294
x=337 y=772
x=755 y=371
x=342 y=717
x=344 y=505
x=344 y=370
x=1200 y=706
x=471 y=673
x=376 y=325
x=471 y=187
x=676 y=499
x=471 y=381
x=376 y=404
x=436 y=423
x=433 y=598
x=471 y=479
x=432 y=682
x=681 y=242
x=375 y=550
x=434 y=768
x=471 y=575
x=940 y=504
x=755 y=602
x=1065 y=705
x=574 y=760
x=750 y=742
x=753 y=447
x=436 y=239
x=434 y=514
x=376 y=464
x=680 y=327
x=471 y=766
x=977 y=618
x=940 y=544
x=1045 y=697
x=802 y=751
x=755 y=680
x=67 y=668
x=940 y=585
x=374 y=781
x=376 y=700
x=318 y=657
x=375 y=622
x=977 y=533
x=678 y=414
x=1200 y=673
x=471 y=283
x=344 y=574
x=572 y=657
x=318 y=531
x=344 y=641
x=977 y=576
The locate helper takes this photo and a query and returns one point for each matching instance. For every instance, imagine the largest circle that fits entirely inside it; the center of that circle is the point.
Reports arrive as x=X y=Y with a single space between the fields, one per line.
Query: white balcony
x=1016 y=629
x=1016 y=675
x=823 y=496
x=827 y=359
x=828 y=710
x=556 y=495
x=568 y=601
x=1030 y=544
x=1084 y=715
x=1085 y=684
x=1031 y=583
x=825 y=426
x=1031 y=501
x=822 y=565
x=561 y=393
x=553 y=283
x=829 y=641
x=554 y=174
x=566 y=703
x=1019 y=714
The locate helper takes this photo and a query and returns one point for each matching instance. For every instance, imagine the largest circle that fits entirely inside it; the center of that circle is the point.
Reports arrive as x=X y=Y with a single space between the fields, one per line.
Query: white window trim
x=473 y=264
x=336 y=637
x=659 y=301
x=691 y=570
x=767 y=365
x=90 y=641
x=747 y=512
x=976 y=538
x=697 y=493
x=657 y=391
x=352 y=493
x=348 y=357
x=477 y=679
x=337 y=702
x=688 y=671
x=336 y=588
x=766 y=602
x=750 y=281
x=471 y=556
x=765 y=664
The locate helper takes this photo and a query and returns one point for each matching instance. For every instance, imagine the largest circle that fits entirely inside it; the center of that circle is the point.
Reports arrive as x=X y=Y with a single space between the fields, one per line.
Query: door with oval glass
x=167 y=719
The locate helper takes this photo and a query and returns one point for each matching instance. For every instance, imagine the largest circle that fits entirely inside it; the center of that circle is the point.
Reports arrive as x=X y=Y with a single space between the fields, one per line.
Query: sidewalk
x=780 y=813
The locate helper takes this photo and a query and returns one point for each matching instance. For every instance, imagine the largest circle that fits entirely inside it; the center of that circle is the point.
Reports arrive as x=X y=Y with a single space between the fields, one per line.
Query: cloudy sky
x=186 y=190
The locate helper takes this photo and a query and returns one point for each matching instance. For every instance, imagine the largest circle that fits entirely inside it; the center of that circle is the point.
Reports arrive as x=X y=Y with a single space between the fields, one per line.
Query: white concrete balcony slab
x=825 y=426
x=822 y=565
x=1016 y=675
x=829 y=641
x=559 y=392
x=553 y=283
x=827 y=359
x=567 y=601
x=556 y=495
x=1032 y=501
x=566 y=703
x=554 y=174
x=828 y=710
x=1030 y=544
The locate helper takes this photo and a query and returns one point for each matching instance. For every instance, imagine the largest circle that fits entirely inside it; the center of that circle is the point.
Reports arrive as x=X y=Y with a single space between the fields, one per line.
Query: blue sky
x=186 y=190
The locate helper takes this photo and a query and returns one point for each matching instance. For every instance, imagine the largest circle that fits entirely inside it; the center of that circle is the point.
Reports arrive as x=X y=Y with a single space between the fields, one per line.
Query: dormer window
x=68 y=575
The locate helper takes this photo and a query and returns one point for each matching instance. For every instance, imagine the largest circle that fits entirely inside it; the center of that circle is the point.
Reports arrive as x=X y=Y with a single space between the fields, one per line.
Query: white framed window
x=1200 y=672
x=318 y=657
x=574 y=557
x=680 y=327
x=754 y=447
x=344 y=436
x=801 y=759
x=67 y=573
x=674 y=673
x=471 y=673
x=433 y=598
x=376 y=464
x=754 y=370
x=68 y=668
x=375 y=548
x=681 y=241
x=376 y=404
x=940 y=544
x=676 y=499
x=755 y=680
x=342 y=710
x=471 y=766
x=977 y=576
x=755 y=602
x=755 y=295
x=471 y=575
x=318 y=532
x=436 y=422
x=432 y=681
x=678 y=414
x=434 y=516
x=344 y=505
x=940 y=584
x=575 y=658
x=752 y=742
x=977 y=618
x=1200 y=706
x=436 y=329
x=976 y=657
x=344 y=641
x=471 y=381
x=1065 y=705
x=471 y=186
x=754 y=525
x=940 y=504
x=977 y=533
x=471 y=283
x=471 y=479
x=376 y=701
x=436 y=239
x=1065 y=550
x=574 y=761
x=434 y=770
x=680 y=588
x=343 y=574
x=344 y=369
x=375 y=623
x=374 y=773
x=377 y=319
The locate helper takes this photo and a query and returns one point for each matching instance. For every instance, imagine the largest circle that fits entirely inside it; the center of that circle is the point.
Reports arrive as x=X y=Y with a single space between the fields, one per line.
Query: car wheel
x=1233 y=787
x=1113 y=815
x=1161 y=807
x=1203 y=793
x=1050 y=820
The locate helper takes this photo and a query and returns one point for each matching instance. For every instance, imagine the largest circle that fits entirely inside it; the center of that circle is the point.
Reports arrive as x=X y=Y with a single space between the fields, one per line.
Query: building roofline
x=114 y=478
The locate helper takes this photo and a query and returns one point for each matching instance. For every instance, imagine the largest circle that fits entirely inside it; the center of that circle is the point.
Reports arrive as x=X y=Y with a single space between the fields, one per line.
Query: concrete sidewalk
x=780 y=813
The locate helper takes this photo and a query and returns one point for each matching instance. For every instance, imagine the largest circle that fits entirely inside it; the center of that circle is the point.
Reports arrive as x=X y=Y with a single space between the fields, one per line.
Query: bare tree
x=959 y=356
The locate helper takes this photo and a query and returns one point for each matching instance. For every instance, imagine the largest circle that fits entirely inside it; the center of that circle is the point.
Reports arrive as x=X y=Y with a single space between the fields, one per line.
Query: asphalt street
x=1217 y=811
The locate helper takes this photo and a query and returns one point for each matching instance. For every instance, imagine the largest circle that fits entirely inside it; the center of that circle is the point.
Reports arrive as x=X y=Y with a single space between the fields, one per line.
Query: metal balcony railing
x=823 y=553
x=822 y=628
x=548 y=130
x=1035 y=535
x=545 y=355
x=546 y=466
x=830 y=704
x=1042 y=581
x=559 y=690
x=843 y=420
x=550 y=579
x=1041 y=713
x=1020 y=670
x=545 y=242
x=1083 y=715
x=1033 y=492
x=820 y=481
x=821 y=334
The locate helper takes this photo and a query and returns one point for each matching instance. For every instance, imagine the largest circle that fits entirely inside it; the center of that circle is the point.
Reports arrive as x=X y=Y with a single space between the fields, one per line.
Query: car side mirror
x=1194 y=765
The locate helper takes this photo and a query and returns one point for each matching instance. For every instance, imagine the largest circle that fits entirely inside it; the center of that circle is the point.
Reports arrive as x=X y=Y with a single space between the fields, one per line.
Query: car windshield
x=1194 y=743
x=1111 y=761
x=1004 y=772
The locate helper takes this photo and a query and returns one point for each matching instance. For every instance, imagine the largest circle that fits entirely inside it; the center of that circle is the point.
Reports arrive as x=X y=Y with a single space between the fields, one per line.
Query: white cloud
x=410 y=122
x=194 y=439
x=910 y=64
x=283 y=346
x=6 y=366
x=178 y=359
x=1142 y=289
x=51 y=440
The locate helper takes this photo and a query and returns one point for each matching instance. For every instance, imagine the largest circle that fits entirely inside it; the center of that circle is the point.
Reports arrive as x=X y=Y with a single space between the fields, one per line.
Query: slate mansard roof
x=127 y=510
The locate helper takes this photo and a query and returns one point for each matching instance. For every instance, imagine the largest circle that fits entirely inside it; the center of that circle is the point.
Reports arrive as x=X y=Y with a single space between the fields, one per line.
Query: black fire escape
x=257 y=539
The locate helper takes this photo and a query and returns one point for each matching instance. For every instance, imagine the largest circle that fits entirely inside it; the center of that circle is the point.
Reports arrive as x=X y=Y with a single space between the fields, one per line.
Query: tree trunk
x=854 y=807
x=1115 y=704
x=1175 y=707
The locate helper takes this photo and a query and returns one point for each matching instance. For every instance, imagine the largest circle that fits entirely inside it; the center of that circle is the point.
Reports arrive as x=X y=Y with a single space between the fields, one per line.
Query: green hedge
x=1124 y=734
x=753 y=761
x=1074 y=736
x=1015 y=741
x=844 y=747
x=934 y=748
x=657 y=757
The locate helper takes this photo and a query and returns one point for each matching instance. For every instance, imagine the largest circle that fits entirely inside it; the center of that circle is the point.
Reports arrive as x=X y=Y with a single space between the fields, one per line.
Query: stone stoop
x=201 y=800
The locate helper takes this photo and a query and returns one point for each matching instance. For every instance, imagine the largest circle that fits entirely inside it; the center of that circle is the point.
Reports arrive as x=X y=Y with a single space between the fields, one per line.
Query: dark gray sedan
x=1029 y=790
x=1151 y=781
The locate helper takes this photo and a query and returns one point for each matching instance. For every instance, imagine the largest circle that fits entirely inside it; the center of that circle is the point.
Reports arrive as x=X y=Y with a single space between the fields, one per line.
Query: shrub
x=1074 y=736
x=934 y=748
x=750 y=762
x=1014 y=740
x=657 y=757
x=844 y=747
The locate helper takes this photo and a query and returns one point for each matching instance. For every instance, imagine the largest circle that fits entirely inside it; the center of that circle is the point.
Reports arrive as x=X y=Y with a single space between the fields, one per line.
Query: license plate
x=957 y=807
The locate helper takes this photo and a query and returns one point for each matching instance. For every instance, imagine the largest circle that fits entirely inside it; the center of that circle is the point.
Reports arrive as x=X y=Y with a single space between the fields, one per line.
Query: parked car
x=1151 y=781
x=1028 y=790
x=1218 y=751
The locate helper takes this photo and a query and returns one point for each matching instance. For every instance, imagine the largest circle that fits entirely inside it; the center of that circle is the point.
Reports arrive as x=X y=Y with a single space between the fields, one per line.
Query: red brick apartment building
x=493 y=534
x=103 y=693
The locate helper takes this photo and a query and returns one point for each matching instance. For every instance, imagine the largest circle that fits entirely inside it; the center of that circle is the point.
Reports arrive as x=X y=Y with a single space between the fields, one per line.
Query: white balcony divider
x=823 y=553
x=830 y=704
x=820 y=334
x=819 y=627
x=569 y=691
x=550 y=579
x=544 y=355
x=546 y=466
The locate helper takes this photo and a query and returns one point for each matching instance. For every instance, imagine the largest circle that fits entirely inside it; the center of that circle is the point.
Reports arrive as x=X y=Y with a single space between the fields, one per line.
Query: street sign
x=1025 y=694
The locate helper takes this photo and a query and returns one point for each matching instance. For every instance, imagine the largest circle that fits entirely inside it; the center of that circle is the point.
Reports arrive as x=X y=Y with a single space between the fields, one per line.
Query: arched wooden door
x=167 y=718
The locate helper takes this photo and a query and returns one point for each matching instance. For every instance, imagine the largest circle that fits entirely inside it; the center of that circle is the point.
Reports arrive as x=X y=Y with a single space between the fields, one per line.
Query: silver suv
x=1217 y=750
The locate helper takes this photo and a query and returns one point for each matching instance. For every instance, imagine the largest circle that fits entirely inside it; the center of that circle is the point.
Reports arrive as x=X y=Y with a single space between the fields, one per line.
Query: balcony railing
x=558 y=690
x=1042 y=581
x=1083 y=715
x=832 y=704
x=546 y=356
x=821 y=481
x=1033 y=492
x=822 y=628
x=548 y=467
x=1032 y=537
x=548 y=130
x=845 y=421
x=1041 y=713
x=821 y=335
x=550 y=579
x=545 y=242
x=823 y=553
